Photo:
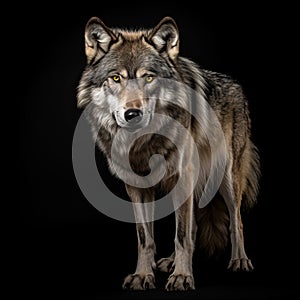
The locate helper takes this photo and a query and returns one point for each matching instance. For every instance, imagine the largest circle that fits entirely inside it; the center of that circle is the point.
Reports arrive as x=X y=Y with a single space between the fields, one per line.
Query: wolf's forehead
x=133 y=53
x=132 y=35
x=132 y=41
x=137 y=73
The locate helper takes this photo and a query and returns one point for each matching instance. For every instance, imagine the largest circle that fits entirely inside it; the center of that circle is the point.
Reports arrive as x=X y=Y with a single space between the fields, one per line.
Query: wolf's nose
x=133 y=116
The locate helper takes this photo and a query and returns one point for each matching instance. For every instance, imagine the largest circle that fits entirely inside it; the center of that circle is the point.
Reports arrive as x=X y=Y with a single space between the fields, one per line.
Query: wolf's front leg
x=182 y=277
x=143 y=277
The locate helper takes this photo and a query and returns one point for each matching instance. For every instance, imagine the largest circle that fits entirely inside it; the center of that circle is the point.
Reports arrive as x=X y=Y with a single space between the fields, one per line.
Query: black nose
x=133 y=116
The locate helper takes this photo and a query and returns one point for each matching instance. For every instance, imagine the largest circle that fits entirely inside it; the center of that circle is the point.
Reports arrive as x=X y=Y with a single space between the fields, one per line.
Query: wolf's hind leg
x=143 y=277
x=166 y=264
x=232 y=194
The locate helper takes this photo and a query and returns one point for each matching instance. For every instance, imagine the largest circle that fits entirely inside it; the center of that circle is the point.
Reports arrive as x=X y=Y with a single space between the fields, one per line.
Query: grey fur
x=129 y=54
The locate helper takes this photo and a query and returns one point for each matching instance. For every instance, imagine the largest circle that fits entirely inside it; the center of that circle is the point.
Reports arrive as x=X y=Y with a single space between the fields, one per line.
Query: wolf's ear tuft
x=165 y=37
x=98 y=38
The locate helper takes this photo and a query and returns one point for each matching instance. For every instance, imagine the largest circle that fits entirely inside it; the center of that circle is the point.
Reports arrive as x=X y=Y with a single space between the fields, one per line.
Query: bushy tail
x=252 y=178
x=213 y=221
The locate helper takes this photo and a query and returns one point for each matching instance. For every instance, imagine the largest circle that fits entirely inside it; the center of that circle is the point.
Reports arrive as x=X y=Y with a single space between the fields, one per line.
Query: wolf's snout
x=133 y=116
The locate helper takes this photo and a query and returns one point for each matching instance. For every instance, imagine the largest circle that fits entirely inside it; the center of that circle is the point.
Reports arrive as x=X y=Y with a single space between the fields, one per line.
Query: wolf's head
x=124 y=71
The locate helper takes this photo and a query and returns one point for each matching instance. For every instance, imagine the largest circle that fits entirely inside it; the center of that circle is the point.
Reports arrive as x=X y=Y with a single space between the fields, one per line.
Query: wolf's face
x=131 y=98
x=125 y=71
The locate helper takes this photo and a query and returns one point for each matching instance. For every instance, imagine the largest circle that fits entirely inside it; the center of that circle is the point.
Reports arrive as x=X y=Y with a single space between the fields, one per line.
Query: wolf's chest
x=145 y=155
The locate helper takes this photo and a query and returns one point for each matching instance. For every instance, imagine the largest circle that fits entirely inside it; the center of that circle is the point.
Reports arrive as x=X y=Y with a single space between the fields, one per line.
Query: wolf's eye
x=149 y=78
x=116 y=78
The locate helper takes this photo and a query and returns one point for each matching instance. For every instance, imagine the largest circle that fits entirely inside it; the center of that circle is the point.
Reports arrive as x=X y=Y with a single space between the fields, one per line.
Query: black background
x=61 y=244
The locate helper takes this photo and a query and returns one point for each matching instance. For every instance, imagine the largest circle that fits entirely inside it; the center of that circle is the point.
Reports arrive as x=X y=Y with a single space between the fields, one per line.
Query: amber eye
x=148 y=78
x=116 y=78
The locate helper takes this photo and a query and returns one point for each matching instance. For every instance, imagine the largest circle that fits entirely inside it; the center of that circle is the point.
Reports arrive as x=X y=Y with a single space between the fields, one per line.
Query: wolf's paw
x=180 y=282
x=240 y=264
x=165 y=264
x=139 y=282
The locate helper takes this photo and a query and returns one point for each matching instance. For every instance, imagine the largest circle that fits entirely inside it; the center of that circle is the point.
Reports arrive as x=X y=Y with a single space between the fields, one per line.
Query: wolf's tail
x=213 y=221
x=252 y=177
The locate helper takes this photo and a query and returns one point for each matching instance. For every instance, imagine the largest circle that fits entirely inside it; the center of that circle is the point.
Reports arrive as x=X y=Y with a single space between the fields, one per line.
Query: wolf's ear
x=165 y=37
x=98 y=39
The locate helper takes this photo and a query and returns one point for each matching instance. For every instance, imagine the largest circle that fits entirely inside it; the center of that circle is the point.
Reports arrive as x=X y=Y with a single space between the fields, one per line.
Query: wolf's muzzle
x=133 y=116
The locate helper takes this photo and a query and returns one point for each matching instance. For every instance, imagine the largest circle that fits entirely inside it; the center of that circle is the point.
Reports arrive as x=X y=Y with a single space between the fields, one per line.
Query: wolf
x=123 y=87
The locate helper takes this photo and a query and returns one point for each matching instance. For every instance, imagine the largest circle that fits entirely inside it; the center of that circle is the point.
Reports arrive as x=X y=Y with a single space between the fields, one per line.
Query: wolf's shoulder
x=220 y=90
x=193 y=74
x=220 y=80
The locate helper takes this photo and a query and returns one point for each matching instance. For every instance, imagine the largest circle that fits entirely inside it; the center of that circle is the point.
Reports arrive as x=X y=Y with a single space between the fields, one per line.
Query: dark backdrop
x=62 y=244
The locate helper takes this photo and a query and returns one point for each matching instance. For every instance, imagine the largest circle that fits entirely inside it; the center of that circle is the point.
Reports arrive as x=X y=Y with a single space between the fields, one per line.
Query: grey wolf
x=122 y=85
